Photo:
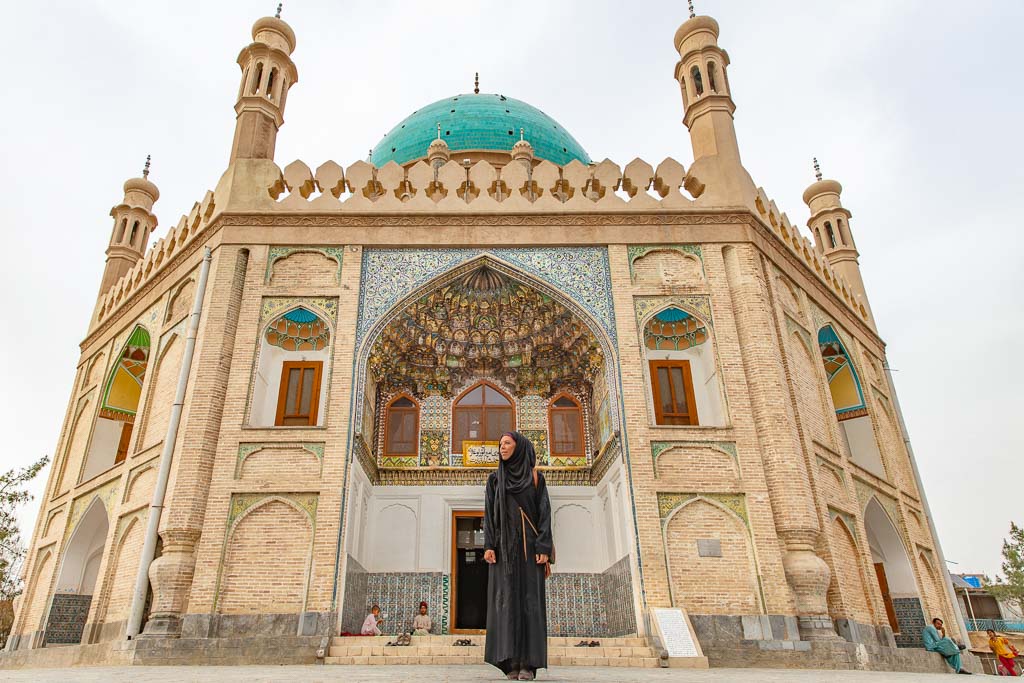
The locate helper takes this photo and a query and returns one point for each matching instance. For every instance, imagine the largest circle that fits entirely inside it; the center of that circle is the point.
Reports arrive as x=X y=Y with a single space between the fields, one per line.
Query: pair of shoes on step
x=403 y=640
x=584 y=643
x=463 y=642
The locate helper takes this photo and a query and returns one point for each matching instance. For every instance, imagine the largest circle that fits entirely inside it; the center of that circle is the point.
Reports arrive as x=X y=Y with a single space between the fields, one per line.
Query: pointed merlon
x=278 y=15
x=692 y=13
x=476 y=84
x=817 y=169
x=145 y=169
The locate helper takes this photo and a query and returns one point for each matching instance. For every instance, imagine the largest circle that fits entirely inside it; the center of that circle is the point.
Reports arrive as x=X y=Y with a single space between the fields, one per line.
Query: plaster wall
x=106 y=435
x=860 y=438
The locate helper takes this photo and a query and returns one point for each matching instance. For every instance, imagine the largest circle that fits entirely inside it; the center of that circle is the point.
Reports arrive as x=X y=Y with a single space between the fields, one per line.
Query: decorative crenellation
x=161 y=253
x=480 y=187
x=736 y=502
x=804 y=250
x=275 y=254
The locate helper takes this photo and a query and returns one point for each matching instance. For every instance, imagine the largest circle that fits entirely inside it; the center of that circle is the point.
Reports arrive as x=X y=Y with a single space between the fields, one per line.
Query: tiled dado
x=579 y=604
x=910 y=617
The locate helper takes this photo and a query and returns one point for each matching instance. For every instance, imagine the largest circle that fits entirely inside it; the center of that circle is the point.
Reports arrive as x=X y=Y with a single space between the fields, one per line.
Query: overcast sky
x=915 y=107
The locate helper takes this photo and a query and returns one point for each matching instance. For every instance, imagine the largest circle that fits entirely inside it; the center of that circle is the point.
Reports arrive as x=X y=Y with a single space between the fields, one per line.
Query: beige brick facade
x=762 y=513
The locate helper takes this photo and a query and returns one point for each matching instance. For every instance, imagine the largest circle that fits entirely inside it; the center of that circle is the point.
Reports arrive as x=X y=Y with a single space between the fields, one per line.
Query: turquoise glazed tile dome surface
x=478 y=122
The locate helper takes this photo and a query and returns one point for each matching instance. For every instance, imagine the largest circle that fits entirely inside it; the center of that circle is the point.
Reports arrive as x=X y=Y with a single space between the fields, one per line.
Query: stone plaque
x=709 y=547
x=675 y=632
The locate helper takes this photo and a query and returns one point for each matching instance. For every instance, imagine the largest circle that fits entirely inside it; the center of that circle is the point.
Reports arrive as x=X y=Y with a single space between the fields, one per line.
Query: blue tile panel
x=67 y=618
x=484 y=121
x=910 y=617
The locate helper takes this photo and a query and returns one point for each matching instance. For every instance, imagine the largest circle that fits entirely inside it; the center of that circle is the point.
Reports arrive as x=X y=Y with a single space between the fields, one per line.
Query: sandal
x=512 y=675
x=594 y=643
x=527 y=675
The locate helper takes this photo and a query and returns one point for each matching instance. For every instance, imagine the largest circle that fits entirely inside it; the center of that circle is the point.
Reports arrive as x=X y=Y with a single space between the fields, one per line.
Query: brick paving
x=442 y=674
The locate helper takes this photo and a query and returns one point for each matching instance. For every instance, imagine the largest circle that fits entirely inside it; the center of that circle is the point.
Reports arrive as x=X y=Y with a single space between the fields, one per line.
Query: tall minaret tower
x=708 y=106
x=830 y=224
x=267 y=73
x=134 y=221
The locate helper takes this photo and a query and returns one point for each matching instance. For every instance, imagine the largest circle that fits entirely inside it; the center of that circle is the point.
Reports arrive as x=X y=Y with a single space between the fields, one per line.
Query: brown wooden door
x=883 y=584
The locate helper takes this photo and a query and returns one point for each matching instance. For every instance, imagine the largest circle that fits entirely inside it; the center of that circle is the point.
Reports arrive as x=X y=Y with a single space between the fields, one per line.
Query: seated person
x=371 y=625
x=935 y=640
x=421 y=623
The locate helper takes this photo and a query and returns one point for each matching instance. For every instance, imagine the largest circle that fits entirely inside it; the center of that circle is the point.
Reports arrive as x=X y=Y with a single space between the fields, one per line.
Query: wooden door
x=460 y=555
x=883 y=584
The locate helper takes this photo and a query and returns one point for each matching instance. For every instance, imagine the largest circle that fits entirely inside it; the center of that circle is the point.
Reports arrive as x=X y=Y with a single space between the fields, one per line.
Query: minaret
x=830 y=224
x=267 y=74
x=708 y=106
x=134 y=221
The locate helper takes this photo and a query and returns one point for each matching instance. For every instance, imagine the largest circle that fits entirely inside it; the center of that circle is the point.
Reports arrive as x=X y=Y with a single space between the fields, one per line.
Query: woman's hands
x=489 y=556
x=542 y=559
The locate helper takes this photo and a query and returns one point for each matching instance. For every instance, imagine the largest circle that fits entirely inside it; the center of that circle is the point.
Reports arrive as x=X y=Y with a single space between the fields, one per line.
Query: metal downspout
x=156 y=507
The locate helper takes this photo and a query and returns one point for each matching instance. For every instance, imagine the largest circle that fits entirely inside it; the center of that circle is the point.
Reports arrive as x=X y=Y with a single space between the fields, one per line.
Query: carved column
x=785 y=470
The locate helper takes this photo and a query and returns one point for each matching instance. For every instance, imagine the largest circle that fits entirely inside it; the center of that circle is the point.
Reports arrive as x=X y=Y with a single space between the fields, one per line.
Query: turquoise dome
x=482 y=122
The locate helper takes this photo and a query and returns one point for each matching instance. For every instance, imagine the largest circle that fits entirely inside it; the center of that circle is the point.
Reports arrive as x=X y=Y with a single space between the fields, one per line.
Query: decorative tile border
x=659 y=447
x=697 y=304
x=635 y=251
x=241 y=502
x=106 y=493
x=848 y=520
x=610 y=453
x=247 y=449
x=273 y=305
x=471 y=476
x=277 y=253
x=389 y=275
x=668 y=502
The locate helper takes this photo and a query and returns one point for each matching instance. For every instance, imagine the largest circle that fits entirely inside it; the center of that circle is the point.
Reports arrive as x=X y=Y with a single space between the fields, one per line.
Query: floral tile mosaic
x=539 y=438
x=433 y=447
x=533 y=413
x=910 y=617
x=66 y=621
x=435 y=412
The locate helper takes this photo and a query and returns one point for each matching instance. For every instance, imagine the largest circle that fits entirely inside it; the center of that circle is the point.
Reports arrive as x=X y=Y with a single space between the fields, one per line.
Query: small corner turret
x=134 y=222
x=833 y=238
x=267 y=74
x=708 y=113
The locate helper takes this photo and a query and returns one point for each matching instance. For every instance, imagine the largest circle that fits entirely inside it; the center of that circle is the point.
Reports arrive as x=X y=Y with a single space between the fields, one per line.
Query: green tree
x=13 y=494
x=1011 y=586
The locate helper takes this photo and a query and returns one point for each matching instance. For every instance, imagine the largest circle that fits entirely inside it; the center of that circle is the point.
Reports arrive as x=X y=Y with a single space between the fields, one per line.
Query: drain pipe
x=946 y=580
x=157 y=506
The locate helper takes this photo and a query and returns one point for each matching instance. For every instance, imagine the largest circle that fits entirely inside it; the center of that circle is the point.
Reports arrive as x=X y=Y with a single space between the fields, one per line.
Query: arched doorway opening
x=480 y=350
x=77 y=580
x=895 y=576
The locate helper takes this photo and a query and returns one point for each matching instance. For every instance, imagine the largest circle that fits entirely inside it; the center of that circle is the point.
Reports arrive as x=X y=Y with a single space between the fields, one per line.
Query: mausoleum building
x=705 y=386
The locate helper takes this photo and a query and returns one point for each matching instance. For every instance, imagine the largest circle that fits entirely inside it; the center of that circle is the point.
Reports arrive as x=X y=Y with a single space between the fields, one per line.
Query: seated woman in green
x=935 y=640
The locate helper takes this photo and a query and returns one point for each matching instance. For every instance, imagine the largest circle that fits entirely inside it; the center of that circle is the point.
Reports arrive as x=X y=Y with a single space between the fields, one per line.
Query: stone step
x=446 y=660
x=434 y=650
x=553 y=641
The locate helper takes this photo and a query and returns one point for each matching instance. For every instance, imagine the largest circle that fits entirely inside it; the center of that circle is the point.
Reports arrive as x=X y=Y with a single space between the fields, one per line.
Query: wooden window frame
x=552 y=409
x=691 y=403
x=282 y=393
x=483 y=411
x=415 y=410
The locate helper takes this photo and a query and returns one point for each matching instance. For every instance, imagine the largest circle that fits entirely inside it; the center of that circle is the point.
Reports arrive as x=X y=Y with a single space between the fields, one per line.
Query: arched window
x=257 y=79
x=481 y=413
x=698 y=81
x=293 y=351
x=401 y=432
x=120 y=230
x=831 y=234
x=270 y=83
x=712 y=80
x=135 y=230
x=839 y=224
x=565 y=422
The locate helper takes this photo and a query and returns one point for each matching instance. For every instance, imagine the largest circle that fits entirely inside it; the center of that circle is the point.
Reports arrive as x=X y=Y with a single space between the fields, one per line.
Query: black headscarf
x=515 y=476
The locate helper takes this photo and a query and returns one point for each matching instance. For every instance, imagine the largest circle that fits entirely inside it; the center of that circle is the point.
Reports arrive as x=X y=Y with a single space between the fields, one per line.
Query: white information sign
x=675 y=632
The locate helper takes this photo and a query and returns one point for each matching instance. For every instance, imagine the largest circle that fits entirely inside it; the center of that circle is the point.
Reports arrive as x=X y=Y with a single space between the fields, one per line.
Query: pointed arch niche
x=119 y=405
x=76 y=582
x=893 y=571
x=848 y=401
x=294 y=359
x=682 y=371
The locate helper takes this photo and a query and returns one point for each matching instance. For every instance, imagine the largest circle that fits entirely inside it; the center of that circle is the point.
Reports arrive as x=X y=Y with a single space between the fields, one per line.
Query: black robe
x=517 y=633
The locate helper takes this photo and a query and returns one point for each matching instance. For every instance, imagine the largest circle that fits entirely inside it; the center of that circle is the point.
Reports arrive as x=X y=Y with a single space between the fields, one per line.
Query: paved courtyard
x=441 y=674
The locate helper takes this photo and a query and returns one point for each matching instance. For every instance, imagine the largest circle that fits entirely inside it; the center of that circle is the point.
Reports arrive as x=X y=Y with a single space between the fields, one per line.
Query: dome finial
x=277 y=15
x=817 y=169
x=145 y=169
x=521 y=132
x=476 y=84
x=692 y=13
x=439 y=130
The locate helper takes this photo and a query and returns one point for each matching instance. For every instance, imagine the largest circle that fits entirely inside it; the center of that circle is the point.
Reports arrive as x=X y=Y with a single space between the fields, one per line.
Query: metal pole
x=157 y=506
x=946 y=581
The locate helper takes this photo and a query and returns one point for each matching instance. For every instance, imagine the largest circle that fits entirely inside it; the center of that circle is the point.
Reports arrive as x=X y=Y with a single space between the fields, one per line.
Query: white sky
x=914 y=106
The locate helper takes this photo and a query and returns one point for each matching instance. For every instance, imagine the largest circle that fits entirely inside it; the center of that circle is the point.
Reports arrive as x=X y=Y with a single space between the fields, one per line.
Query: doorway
x=469 y=572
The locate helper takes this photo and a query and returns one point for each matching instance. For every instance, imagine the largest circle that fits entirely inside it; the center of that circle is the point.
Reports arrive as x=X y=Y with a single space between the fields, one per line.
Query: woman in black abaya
x=517 y=529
